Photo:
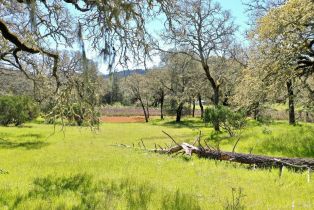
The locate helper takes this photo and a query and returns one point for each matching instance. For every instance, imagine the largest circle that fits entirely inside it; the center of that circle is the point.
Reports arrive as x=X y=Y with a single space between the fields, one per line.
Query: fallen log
x=260 y=161
x=257 y=160
x=250 y=159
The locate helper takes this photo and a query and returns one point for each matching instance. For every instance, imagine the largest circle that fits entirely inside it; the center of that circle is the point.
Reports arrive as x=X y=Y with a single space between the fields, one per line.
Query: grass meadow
x=46 y=167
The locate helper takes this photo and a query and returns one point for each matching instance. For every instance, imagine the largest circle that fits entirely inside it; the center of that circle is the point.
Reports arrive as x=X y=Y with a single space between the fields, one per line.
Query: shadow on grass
x=16 y=126
x=47 y=188
x=31 y=135
x=194 y=124
x=7 y=144
x=23 y=126
x=53 y=193
x=164 y=137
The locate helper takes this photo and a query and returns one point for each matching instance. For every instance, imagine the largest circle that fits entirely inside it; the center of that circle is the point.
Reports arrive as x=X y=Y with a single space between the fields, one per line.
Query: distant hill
x=14 y=82
x=126 y=73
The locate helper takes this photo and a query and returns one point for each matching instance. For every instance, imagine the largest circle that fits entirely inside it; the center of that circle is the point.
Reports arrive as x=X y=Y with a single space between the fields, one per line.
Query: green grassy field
x=80 y=169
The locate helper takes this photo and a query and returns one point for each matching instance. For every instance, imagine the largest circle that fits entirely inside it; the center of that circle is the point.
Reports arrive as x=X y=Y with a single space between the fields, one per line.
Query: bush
x=17 y=110
x=264 y=119
x=228 y=120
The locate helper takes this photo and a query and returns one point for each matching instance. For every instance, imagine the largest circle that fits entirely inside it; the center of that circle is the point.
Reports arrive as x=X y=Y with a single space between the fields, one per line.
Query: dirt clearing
x=120 y=119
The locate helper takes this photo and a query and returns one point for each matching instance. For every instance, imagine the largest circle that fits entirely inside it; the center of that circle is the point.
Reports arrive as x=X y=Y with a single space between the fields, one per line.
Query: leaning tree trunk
x=179 y=112
x=215 y=87
x=193 y=107
x=144 y=110
x=201 y=105
x=291 y=102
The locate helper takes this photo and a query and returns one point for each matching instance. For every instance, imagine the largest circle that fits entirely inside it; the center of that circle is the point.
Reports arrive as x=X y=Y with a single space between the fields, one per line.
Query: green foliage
x=78 y=101
x=229 y=120
x=17 y=110
x=282 y=50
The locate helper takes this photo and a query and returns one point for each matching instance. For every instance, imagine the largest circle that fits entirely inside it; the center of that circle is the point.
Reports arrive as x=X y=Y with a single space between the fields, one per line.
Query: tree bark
x=162 y=104
x=216 y=96
x=8 y=35
x=147 y=109
x=213 y=84
x=291 y=102
x=215 y=87
x=216 y=103
x=179 y=112
x=201 y=105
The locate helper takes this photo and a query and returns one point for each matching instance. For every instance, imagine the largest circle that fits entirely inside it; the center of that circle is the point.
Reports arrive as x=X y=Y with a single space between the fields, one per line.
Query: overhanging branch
x=14 y=39
x=11 y=37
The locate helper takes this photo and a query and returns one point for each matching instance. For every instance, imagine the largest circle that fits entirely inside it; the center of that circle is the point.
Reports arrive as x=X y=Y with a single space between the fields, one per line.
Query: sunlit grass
x=80 y=169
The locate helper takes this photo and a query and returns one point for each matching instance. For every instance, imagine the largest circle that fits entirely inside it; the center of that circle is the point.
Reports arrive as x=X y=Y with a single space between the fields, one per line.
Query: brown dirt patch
x=120 y=119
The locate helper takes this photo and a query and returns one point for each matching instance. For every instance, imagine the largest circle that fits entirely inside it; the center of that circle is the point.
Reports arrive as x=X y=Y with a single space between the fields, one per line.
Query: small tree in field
x=200 y=29
x=136 y=87
x=179 y=79
x=231 y=121
x=156 y=89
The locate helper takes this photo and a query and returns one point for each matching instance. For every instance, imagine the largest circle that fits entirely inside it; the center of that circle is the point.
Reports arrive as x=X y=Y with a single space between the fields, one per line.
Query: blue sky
x=237 y=10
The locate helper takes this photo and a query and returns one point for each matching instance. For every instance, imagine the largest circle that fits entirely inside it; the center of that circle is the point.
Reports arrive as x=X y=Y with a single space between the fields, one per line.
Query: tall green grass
x=80 y=169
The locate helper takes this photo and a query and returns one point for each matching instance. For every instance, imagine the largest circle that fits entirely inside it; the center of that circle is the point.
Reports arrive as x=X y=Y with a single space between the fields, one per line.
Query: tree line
x=204 y=57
